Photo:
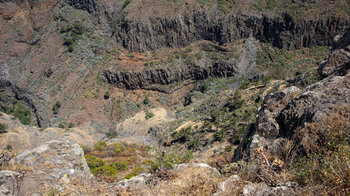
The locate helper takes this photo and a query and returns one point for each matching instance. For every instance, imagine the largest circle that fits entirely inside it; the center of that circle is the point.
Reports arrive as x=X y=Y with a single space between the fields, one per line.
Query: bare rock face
x=9 y=183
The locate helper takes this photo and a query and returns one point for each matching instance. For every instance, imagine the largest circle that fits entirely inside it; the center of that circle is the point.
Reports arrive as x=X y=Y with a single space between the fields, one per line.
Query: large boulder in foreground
x=55 y=167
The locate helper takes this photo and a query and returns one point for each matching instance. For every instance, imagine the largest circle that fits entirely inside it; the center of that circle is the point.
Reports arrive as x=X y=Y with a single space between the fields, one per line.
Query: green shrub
x=183 y=135
x=146 y=101
x=3 y=128
x=220 y=135
x=120 y=165
x=130 y=55
x=118 y=147
x=199 y=55
x=126 y=3
x=112 y=134
x=171 y=159
x=106 y=170
x=203 y=88
x=74 y=33
x=136 y=171
x=188 y=99
x=101 y=145
x=270 y=4
x=71 y=125
x=228 y=148
x=56 y=107
x=235 y=102
x=132 y=150
x=8 y=147
x=61 y=125
x=48 y=73
x=93 y=162
x=148 y=115
x=107 y=95
x=22 y=113
x=194 y=144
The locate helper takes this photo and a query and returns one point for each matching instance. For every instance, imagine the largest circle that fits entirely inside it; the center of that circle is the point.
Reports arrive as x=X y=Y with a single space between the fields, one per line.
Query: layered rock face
x=180 y=71
x=179 y=28
x=169 y=75
x=283 y=31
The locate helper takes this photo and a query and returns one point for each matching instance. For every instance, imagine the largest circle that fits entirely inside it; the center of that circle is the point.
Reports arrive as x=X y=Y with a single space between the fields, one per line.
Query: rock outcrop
x=285 y=111
x=338 y=61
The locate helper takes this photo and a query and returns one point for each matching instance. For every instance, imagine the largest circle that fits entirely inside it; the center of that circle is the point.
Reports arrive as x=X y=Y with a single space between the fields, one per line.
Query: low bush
x=101 y=145
x=71 y=125
x=183 y=135
x=112 y=134
x=107 y=95
x=48 y=73
x=170 y=160
x=93 y=162
x=3 y=128
x=220 y=135
x=126 y=3
x=194 y=144
x=148 y=115
x=146 y=101
x=73 y=34
x=136 y=171
x=106 y=170
x=56 y=107
x=120 y=165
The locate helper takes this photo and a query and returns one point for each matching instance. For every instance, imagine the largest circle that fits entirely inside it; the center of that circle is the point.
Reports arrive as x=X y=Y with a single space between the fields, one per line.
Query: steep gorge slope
x=93 y=64
x=51 y=49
